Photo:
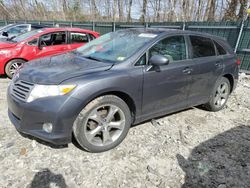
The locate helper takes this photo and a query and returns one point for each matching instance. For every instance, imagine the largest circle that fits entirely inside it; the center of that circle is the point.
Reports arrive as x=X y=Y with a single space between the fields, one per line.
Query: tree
x=230 y=13
x=211 y=10
x=129 y=11
x=120 y=9
x=144 y=11
x=243 y=7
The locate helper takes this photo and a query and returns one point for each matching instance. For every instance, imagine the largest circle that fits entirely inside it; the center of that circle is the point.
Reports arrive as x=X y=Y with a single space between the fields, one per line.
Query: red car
x=39 y=43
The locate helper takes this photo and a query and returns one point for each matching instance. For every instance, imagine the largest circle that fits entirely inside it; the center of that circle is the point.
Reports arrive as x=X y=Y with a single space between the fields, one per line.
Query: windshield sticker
x=120 y=58
x=148 y=35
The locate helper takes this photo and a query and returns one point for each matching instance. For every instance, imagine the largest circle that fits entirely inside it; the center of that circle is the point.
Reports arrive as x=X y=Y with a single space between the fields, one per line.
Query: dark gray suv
x=98 y=91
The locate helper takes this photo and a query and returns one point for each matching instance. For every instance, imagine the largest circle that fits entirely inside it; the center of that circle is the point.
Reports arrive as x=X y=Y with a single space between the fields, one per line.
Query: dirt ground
x=192 y=148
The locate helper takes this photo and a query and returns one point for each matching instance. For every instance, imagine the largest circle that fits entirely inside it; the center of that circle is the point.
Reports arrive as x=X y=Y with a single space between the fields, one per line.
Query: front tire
x=220 y=95
x=102 y=124
x=12 y=67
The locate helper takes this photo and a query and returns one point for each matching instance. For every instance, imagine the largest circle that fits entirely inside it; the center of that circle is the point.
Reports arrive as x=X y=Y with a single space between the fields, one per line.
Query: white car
x=13 y=30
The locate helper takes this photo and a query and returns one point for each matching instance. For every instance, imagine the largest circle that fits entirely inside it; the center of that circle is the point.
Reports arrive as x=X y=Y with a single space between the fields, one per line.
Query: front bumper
x=28 y=118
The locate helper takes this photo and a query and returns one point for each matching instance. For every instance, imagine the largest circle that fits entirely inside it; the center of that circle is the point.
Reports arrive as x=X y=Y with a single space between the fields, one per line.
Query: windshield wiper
x=93 y=58
x=11 y=39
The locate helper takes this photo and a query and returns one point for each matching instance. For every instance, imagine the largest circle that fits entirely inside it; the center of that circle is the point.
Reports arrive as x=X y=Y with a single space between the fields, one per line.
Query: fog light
x=47 y=127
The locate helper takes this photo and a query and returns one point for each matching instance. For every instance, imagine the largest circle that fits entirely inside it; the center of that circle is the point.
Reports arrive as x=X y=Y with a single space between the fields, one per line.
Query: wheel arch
x=12 y=60
x=121 y=94
x=231 y=81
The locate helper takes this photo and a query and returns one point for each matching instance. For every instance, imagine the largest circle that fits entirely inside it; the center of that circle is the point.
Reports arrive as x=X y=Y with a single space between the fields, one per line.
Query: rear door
x=166 y=90
x=77 y=39
x=210 y=68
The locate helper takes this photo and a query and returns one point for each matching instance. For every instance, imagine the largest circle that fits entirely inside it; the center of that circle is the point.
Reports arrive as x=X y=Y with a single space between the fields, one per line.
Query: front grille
x=21 y=89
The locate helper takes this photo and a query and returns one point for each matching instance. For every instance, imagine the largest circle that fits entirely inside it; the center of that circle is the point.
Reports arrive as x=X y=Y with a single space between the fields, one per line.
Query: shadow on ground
x=46 y=179
x=221 y=162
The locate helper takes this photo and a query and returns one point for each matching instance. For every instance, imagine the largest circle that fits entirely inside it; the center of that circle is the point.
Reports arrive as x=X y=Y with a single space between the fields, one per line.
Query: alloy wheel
x=221 y=95
x=104 y=125
x=14 y=66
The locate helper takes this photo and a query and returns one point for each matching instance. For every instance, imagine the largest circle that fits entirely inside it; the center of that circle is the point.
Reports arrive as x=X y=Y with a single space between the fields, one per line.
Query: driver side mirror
x=158 y=60
x=5 y=34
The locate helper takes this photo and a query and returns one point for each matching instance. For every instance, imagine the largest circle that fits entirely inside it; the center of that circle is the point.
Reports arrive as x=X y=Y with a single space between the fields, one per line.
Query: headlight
x=40 y=91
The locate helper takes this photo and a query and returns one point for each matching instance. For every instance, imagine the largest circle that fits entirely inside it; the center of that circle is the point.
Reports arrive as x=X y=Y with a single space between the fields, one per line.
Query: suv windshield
x=27 y=35
x=115 y=47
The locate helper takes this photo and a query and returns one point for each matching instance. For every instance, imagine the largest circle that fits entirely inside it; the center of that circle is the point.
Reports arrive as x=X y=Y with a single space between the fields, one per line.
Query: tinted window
x=220 y=49
x=78 y=38
x=173 y=48
x=202 y=47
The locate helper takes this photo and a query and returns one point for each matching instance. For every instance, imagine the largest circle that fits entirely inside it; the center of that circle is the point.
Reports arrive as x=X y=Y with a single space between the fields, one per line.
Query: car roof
x=163 y=31
x=68 y=29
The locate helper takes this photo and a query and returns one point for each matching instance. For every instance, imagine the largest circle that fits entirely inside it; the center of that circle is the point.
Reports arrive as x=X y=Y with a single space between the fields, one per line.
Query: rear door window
x=78 y=37
x=202 y=47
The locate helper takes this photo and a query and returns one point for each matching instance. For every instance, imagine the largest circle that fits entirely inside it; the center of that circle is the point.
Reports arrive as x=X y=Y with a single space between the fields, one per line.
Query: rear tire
x=102 y=124
x=220 y=95
x=12 y=67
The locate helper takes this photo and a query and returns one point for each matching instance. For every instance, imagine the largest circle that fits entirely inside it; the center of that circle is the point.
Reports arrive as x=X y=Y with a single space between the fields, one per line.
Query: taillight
x=238 y=61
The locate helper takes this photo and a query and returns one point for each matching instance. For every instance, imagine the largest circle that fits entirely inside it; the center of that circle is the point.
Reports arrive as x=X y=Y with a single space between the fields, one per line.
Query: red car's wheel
x=12 y=67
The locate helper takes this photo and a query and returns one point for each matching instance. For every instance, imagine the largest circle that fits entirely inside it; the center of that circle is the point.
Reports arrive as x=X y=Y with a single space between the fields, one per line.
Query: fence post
x=183 y=26
x=93 y=26
x=146 y=25
x=240 y=33
x=113 y=26
x=71 y=24
x=6 y=23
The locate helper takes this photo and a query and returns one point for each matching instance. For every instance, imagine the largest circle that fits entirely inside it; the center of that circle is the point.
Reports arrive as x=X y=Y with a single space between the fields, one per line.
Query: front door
x=53 y=43
x=166 y=90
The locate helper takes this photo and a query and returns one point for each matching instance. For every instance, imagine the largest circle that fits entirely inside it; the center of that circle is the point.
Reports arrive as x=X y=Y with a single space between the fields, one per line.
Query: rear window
x=202 y=47
x=78 y=37
x=220 y=49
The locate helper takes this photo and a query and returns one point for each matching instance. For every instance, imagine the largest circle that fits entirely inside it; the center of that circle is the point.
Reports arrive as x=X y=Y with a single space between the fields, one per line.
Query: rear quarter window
x=202 y=47
x=220 y=49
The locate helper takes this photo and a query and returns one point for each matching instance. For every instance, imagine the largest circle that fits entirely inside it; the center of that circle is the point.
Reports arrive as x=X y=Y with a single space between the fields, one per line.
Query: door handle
x=218 y=64
x=187 y=70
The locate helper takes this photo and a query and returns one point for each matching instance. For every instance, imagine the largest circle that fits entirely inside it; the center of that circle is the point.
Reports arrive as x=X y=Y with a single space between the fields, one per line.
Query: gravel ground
x=191 y=148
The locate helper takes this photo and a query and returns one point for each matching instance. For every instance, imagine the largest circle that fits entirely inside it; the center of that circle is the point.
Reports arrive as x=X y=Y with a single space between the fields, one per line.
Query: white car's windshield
x=115 y=47
x=27 y=35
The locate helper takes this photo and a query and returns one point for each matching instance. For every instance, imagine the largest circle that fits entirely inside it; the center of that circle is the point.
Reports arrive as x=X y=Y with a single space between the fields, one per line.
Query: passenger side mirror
x=5 y=34
x=158 y=60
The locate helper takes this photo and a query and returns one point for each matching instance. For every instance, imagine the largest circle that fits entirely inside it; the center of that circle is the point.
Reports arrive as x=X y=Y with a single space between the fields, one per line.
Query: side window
x=50 y=39
x=220 y=49
x=174 y=48
x=78 y=38
x=141 y=61
x=33 y=42
x=202 y=47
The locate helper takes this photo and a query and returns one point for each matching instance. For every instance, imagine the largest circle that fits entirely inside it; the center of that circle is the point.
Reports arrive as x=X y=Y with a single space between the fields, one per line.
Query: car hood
x=4 y=44
x=56 y=69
